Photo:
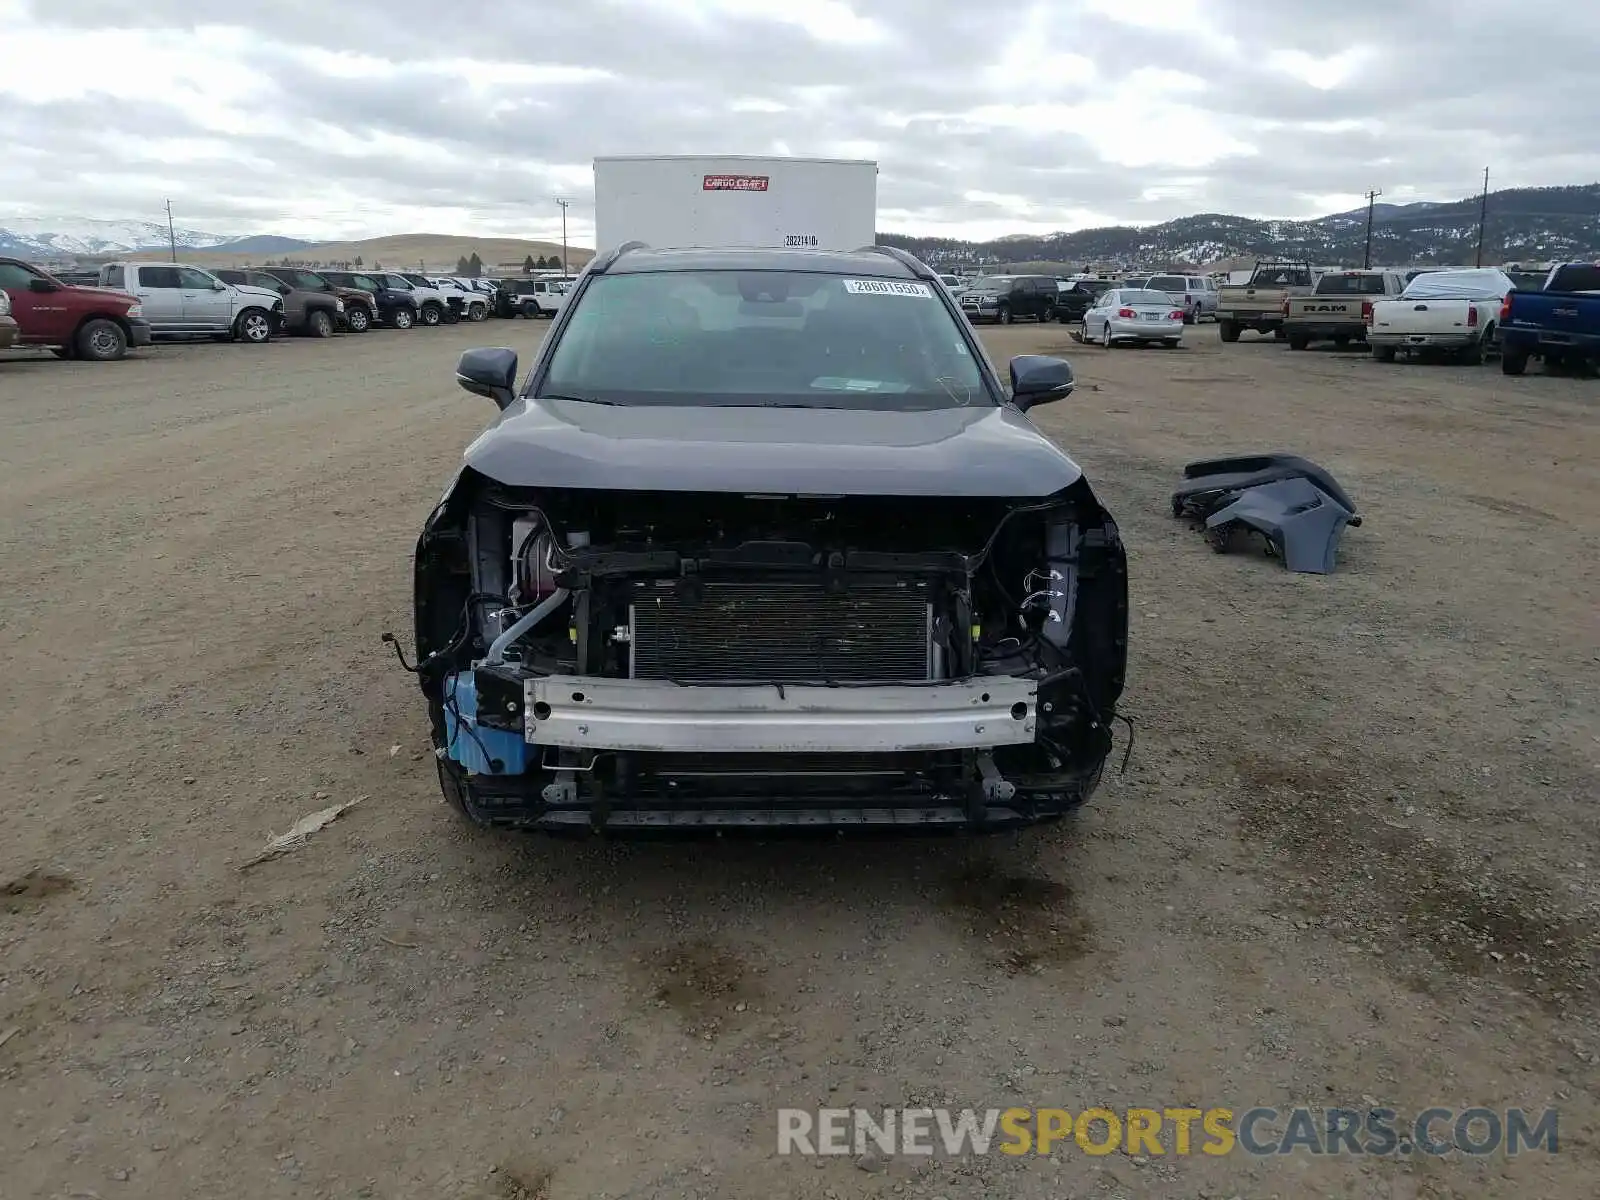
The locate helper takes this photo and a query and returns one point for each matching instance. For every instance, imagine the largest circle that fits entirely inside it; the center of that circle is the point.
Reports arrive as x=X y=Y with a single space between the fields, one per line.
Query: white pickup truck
x=1452 y=313
x=182 y=301
x=468 y=303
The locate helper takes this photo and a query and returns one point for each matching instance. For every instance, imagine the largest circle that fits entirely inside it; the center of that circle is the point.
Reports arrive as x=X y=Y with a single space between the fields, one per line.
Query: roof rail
x=904 y=257
x=598 y=266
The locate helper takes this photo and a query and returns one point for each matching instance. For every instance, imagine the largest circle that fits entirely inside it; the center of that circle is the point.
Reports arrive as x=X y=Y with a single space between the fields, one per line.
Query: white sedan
x=1133 y=315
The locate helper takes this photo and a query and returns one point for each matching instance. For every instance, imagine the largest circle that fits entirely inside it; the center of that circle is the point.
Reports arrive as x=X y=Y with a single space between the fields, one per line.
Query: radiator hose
x=497 y=649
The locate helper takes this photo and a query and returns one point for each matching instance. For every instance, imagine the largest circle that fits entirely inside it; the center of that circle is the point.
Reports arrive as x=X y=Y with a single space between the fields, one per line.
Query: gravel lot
x=1353 y=860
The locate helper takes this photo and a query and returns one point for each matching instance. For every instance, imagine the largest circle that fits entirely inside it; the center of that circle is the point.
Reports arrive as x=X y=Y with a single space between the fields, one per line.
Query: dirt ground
x=1354 y=860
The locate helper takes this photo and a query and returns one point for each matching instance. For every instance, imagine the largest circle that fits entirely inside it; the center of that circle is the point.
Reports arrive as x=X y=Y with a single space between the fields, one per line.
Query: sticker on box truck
x=735 y=183
x=887 y=287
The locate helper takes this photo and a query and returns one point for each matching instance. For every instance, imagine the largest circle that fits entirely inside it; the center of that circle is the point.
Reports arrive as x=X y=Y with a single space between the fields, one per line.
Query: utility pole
x=172 y=238
x=1483 y=214
x=1366 y=258
x=563 y=204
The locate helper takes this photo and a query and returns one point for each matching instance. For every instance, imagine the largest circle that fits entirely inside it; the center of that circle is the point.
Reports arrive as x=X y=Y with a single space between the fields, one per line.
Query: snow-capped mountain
x=86 y=235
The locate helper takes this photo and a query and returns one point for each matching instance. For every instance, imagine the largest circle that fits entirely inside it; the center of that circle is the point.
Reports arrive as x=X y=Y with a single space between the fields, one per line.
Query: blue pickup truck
x=1560 y=323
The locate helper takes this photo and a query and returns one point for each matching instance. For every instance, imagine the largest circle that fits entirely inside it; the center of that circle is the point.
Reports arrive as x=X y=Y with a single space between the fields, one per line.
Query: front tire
x=1005 y=315
x=1514 y=362
x=253 y=326
x=101 y=340
x=319 y=324
x=402 y=318
x=477 y=312
x=1105 y=335
x=358 y=318
x=1228 y=330
x=431 y=315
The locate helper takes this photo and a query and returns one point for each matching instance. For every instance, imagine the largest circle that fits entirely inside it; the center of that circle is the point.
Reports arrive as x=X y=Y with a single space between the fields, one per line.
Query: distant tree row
x=471 y=267
x=531 y=264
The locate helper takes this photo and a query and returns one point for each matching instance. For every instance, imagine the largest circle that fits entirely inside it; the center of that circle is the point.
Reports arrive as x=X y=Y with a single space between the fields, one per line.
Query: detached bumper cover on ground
x=1296 y=505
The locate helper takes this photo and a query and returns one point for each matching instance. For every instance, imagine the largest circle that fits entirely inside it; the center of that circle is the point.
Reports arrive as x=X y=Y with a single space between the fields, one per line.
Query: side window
x=195 y=281
x=13 y=276
x=158 y=277
x=114 y=277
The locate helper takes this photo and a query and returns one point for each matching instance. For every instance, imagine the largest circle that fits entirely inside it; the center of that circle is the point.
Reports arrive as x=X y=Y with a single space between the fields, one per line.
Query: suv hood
x=249 y=289
x=817 y=451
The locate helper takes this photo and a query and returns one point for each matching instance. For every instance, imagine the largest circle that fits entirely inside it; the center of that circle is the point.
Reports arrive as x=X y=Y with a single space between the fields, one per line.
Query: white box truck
x=681 y=200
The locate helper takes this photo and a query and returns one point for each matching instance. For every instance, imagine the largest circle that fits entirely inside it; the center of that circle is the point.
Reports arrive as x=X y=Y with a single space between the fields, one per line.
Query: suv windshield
x=763 y=339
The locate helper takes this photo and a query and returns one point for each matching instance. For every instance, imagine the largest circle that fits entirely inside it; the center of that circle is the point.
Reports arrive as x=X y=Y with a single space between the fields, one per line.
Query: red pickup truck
x=74 y=322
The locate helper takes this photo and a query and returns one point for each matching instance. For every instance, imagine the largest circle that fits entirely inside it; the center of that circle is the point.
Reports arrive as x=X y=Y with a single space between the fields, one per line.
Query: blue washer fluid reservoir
x=473 y=745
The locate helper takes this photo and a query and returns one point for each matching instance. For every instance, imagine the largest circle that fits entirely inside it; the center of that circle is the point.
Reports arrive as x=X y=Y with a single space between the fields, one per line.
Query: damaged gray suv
x=763 y=541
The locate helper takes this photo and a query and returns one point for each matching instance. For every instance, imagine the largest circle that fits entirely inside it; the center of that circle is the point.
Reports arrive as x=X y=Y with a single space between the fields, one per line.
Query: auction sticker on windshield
x=887 y=287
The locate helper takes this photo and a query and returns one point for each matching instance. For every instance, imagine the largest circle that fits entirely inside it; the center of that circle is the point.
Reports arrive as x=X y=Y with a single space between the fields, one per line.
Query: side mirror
x=489 y=371
x=218 y=286
x=42 y=285
x=1039 y=379
x=284 y=289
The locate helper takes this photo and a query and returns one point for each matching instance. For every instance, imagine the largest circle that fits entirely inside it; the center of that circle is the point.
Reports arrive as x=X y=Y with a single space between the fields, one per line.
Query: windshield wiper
x=575 y=399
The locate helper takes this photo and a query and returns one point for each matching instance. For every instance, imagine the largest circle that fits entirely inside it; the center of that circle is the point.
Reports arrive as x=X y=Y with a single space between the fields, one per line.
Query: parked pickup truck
x=1453 y=313
x=395 y=307
x=186 y=302
x=1338 y=307
x=310 y=311
x=1258 y=303
x=1559 y=323
x=467 y=303
x=1076 y=298
x=73 y=322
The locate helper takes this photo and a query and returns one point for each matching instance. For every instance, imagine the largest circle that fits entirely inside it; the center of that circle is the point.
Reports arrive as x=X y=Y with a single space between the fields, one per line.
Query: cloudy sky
x=365 y=117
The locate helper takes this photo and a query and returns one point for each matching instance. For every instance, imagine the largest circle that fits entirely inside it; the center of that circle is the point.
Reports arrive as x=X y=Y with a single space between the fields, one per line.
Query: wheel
x=1228 y=330
x=1170 y=343
x=1383 y=353
x=101 y=340
x=1083 y=332
x=1188 y=316
x=1279 y=334
x=530 y=310
x=1342 y=340
x=358 y=318
x=1472 y=356
x=1514 y=362
x=430 y=314
x=1005 y=315
x=319 y=324
x=253 y=326
x=1105 y=335
x=402 y=318
x=1298 y=341
x=477 y=312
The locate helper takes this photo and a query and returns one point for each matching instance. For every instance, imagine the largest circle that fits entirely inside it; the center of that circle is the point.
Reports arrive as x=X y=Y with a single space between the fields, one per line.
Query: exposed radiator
x=782 y=631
